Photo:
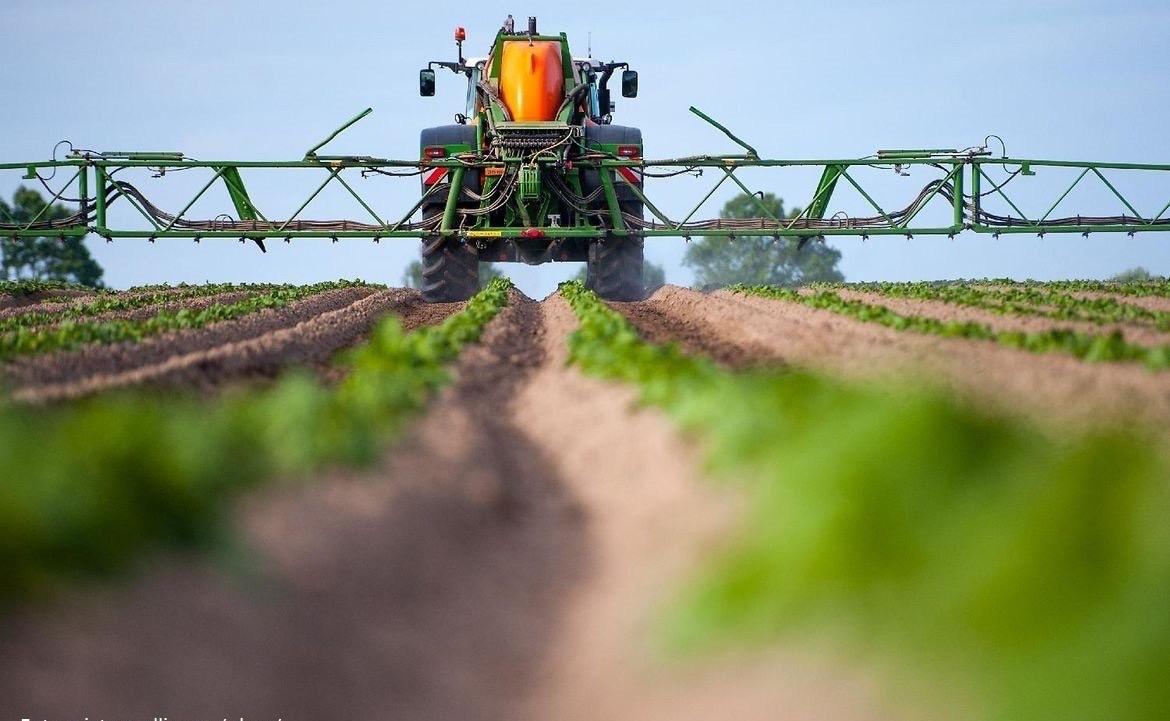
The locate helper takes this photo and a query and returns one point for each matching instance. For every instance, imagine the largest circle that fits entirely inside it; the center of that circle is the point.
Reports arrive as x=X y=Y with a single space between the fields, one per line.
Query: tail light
x=431 y=152
x=629 y=151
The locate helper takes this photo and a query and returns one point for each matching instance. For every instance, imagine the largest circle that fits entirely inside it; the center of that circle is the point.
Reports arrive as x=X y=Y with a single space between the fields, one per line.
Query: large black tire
x=614 y=270
x=450 y=268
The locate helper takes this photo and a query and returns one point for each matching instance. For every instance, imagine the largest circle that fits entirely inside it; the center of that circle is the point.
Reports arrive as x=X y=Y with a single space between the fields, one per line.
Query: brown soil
x=56 y=304
x=1154 y=303
x=92 y=360
x=8 y=300
x=504 y=561
x=1047 y=386
x=939 y=310
x=149 y=311
x=312 y=343
x=657 y=324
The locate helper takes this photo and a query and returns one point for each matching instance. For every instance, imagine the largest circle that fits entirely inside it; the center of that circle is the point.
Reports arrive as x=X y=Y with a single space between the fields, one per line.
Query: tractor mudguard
x=457 y=139
x=609 y=135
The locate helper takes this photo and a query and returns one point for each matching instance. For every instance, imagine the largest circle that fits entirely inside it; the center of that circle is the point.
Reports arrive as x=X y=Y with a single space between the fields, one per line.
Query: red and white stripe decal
x=631 y=175
x=434 y=176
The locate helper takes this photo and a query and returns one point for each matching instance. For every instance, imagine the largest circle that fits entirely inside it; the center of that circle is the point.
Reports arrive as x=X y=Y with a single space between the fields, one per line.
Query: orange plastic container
x=532 y=80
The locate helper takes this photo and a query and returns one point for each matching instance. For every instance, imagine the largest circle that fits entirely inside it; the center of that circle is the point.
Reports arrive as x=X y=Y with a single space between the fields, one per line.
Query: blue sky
x=266 y=80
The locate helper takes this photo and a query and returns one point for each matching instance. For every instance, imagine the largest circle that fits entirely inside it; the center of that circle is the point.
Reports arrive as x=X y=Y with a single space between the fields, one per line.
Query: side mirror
x=629 y=83
x=426 y=82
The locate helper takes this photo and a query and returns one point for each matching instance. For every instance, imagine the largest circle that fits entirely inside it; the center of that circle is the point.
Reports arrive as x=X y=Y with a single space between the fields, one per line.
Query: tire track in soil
x=426 y=588
x=1043 y=386
x=311 y=343
x=96 y=359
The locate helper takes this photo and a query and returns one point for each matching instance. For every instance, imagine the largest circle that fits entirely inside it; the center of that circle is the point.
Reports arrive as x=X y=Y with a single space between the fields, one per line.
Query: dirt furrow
x=657 y=325
x=149 y=311
x=9 y=301
x=313 y=342
x=504 y=561
x=57 y=305
x=427 y=587
x=651 y=522
x=96 y=359
x=939 y=310
x=1150 y=302
x=1047 y=386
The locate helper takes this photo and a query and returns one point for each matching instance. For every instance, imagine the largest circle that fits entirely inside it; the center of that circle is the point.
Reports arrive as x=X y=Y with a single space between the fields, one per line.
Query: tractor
x=533 y=170
x=536 y=121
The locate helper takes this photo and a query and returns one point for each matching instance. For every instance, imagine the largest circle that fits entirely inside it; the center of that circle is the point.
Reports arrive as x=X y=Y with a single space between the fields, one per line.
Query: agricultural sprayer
x=535 y=171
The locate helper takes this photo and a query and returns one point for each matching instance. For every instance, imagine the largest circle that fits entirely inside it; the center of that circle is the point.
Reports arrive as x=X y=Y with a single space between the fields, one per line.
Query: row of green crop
x=108 y=303
x=28 y=287
x=88 y=486
x=72 y=333
x=956 y=550
x=1086 y=346
x=1034 y=300
x=1155 y=287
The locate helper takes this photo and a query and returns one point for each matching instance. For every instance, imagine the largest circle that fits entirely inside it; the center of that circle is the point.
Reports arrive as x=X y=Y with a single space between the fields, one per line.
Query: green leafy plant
x=1086 y=346
x=71 y=333
x=1032 y=300
x=86 y=308
x=91 y=485
x=960 y=549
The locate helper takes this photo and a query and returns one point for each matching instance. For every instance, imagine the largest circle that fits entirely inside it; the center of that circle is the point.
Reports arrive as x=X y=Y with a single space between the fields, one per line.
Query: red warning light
x=460 y=34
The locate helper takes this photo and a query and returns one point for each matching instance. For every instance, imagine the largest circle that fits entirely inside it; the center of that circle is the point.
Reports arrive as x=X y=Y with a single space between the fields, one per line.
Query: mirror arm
x=459 y=67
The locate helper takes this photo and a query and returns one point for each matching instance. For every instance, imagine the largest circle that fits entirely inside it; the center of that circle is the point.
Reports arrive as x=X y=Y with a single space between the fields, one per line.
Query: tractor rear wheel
x=614 y=270
x=450 y=268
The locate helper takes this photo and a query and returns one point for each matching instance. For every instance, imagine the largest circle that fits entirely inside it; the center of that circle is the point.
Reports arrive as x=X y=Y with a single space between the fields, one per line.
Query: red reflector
x=434 y=151
x=530 y=233
x=629 y=151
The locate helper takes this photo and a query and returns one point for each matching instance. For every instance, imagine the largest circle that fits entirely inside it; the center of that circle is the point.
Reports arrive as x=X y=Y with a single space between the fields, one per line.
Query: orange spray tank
x=532 y=79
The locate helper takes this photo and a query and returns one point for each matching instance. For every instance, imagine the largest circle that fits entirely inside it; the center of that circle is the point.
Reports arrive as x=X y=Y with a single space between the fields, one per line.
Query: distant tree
x=653 y=276
x=43 y=258
x=1135 y=274
x=412 y=276
x=718 y=262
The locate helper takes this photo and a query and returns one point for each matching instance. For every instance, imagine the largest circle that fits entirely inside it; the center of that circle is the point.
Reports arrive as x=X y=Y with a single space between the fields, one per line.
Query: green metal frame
x=972 y=172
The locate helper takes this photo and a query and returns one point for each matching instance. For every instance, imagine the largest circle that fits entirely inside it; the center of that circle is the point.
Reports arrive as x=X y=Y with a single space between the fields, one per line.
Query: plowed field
x=512 y=552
